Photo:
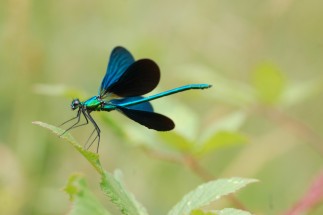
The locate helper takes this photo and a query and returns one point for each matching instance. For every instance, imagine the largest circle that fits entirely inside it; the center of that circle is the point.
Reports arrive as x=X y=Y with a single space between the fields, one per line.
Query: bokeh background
x=261 y=119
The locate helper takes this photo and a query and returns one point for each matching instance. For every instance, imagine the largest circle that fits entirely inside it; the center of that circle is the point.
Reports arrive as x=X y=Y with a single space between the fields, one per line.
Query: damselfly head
x=75 y=104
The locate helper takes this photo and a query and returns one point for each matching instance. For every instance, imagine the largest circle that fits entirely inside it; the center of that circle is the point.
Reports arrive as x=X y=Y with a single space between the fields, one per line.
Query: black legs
x=88 y=118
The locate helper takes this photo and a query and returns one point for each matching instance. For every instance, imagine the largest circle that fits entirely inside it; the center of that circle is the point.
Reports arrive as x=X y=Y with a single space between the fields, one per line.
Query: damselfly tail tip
x=205 y=86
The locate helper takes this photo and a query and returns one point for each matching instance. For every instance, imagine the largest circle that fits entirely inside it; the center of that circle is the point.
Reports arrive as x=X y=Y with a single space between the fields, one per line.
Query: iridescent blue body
x=122 y=87
x=112 y=106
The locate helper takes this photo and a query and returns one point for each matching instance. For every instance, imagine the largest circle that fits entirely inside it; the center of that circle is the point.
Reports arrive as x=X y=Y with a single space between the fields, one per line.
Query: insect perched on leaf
x=122 y=87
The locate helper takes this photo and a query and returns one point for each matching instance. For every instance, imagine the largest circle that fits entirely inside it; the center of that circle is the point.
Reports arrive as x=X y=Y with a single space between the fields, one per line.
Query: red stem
x=312 y=197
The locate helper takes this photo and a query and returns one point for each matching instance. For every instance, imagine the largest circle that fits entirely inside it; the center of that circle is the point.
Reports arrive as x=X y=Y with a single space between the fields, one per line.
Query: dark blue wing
x=143 y=114
x=120 y=60
x=140 y=78
x=149 y=119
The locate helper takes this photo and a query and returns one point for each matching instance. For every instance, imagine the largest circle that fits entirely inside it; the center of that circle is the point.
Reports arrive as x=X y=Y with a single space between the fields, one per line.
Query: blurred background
x=261 y=119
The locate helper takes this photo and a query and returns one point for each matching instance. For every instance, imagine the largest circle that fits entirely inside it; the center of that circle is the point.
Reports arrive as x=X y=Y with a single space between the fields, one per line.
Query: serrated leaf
x=112 y=186
x=93 y=158
x=207 y=193
x=269 y=83
x=84 y=202
x=222 y=139
x=232 y=211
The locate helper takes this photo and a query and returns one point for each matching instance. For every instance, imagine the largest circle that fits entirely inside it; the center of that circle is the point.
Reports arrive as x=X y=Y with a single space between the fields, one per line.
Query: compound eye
x=75 y=104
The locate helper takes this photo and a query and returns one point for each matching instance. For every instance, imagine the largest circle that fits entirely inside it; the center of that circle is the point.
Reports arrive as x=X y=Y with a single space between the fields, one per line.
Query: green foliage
x=208 y=192
x=53 y=51
x=110 y=185
x=222 y=133
x=84 y=202
x=222 y=139
x=177 y=141
x=269 y=83
x=113 y=187
x=93 y=158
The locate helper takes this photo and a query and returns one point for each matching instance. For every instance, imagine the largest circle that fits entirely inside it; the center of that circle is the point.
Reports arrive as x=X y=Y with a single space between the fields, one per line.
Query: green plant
x=112 y=186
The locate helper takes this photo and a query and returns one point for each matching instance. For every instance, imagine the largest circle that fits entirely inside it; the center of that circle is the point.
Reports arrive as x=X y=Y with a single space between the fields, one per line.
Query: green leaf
x=269 y=82
x=222 y=139
x=113 y=187
x=208 y=192
x=93 y=158
x=222 y=133
x=110 y=185
x=84 y=202
x=232 y=211
x=177 y=141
